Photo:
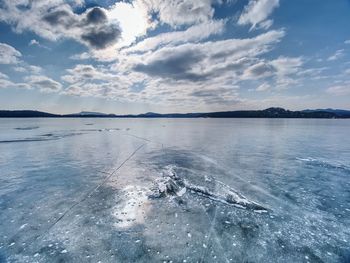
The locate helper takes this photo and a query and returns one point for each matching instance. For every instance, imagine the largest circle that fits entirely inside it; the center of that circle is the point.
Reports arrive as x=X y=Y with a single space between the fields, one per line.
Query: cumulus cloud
x=287 y=71
x=177 y=65
x=198 y=62
x=83 y=73
x=87 y=80
x=280 y=70
x=55 y=19
x=43 y=83
x=25 y=68
x=135 y=18
x=101 y=37
x=256 y=13
x=179 y=12
x=100 y=28
x=8 y=54
x=205 y=72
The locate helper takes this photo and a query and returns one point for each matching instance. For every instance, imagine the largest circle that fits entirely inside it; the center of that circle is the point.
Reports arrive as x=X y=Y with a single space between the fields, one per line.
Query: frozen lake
x=174 y=190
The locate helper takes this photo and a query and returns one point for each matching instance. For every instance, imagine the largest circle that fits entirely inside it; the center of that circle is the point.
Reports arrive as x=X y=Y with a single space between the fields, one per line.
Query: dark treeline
x=267 y=113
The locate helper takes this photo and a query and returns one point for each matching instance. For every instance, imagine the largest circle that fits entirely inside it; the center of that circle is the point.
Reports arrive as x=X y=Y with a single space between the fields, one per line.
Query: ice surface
x=202 y=190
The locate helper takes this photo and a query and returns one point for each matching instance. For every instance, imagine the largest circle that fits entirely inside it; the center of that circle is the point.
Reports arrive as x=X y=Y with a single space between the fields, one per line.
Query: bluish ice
x=174 y=190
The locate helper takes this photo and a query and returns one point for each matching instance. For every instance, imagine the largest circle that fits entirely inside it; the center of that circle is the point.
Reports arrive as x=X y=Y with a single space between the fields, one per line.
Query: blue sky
x=174 y=56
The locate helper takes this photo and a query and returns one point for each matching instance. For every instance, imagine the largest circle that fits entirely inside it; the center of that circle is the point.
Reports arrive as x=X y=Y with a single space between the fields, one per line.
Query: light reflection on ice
x=132 y=208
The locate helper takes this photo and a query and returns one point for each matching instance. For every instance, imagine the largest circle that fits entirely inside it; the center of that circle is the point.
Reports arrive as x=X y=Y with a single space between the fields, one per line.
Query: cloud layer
x=179 y=53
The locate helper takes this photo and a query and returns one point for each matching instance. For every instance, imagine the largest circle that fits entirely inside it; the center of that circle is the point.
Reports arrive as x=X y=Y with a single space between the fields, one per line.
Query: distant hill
x=338 y=112
x=267 y=113
x=25 y=114
x=87 y=114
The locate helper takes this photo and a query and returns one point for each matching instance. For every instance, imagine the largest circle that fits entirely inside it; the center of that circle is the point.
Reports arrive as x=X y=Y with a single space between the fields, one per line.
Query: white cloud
x=87 y=80
x=180 y=12
x=100 y=28
x=43 y=83
x=81 y=56
x=8 y=54
x=347 y=41
x=35 y=69
x=20 y=69
x=286 y=66
x=31 y=69
x=340 y=90
x=3 y=76
x=175 y=74
x=205 y=60
x=257 y=12
x=266 y=24
x=262 y=69
x=76 y=3
x=55 y=19
x=337 y=55
x=263 y=87
x=34 y=42
x=192 y=34
x=135 y=18
x=5 y=82
x=280 y=69
x=86 y=73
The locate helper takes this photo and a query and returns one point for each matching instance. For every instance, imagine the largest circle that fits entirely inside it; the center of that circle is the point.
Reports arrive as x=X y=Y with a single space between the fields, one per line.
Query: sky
x=67 y=56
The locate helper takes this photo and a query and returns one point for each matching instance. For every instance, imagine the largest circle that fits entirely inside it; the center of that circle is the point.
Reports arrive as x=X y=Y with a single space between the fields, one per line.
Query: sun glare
x=132 y=19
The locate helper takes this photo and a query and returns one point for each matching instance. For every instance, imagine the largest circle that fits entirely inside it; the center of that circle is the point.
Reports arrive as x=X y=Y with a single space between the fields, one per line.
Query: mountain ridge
x=272 y=112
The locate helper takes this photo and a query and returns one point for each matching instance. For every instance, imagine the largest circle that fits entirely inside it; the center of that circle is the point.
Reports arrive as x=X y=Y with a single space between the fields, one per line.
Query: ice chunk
x=173 y=185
